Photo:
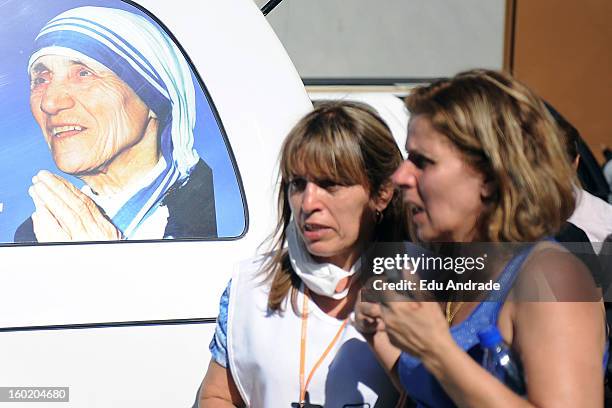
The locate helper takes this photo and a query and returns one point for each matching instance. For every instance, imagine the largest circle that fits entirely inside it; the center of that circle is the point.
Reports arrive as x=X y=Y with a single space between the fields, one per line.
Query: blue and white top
x=218 y=344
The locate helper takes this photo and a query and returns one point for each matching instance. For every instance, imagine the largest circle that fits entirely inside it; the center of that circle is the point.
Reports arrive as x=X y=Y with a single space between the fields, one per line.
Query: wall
x=563 y=49
x=390 y=38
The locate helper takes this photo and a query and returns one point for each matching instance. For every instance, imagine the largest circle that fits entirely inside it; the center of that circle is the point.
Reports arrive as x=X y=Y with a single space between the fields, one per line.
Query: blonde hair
x=348 y=144
x=505 y=132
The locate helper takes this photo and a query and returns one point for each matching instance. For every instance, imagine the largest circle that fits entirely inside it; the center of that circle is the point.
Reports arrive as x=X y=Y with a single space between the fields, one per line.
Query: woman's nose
x=56 y=98
x=405 y=176
x=311 y=199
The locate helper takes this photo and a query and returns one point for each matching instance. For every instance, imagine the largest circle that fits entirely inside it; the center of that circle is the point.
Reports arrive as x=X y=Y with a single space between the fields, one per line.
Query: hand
x=63 y=213
x=367 y=318
x=418 y=328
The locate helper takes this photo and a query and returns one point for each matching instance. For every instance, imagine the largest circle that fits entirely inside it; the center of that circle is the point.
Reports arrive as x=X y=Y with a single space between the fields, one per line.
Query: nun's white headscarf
x=146 y=59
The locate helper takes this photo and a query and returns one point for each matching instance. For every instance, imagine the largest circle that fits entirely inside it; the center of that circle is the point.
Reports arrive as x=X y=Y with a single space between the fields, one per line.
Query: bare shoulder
x=559 y=313
x=552 y=274
x=556 y=298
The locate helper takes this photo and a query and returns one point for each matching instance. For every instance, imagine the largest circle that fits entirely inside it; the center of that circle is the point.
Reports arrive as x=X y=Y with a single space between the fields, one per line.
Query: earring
x=379 y=216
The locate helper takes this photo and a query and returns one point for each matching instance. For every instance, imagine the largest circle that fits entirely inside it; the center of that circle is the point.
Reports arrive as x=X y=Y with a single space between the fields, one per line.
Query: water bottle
x=500 y=361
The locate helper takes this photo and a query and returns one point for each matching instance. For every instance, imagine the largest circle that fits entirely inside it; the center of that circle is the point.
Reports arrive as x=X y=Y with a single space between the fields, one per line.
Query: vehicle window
x=108 y=131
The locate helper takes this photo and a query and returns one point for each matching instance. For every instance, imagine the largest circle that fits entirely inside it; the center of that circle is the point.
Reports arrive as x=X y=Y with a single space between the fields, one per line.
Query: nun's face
x=90 y=118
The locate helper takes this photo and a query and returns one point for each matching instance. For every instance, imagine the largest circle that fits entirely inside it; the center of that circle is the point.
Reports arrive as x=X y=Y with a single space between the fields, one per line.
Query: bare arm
x=218 y=389
x=562 y=343
x=368 y=321
x=387 y=355
x=575 y=333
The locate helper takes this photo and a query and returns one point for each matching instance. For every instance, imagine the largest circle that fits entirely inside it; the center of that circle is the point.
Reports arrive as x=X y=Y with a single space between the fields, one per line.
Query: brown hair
x=347 y=143
x=505 y=132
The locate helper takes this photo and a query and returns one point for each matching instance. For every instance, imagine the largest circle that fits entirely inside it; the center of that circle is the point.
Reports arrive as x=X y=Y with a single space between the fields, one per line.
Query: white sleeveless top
x=264 y=352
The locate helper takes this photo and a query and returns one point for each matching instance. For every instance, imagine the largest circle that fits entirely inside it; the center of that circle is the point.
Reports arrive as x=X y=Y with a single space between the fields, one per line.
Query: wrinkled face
x=89 y=117
x=334 y=221
x=443 y=192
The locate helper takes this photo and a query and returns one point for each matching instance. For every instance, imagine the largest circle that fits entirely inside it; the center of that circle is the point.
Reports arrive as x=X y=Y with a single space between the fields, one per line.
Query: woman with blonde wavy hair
x=486 y=164
x=282 y=337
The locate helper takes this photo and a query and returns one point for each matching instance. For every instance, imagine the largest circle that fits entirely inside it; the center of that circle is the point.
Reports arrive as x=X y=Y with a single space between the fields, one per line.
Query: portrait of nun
x=114 y=99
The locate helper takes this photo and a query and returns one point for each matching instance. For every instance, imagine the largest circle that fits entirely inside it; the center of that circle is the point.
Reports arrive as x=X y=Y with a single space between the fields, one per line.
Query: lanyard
x=304 y=386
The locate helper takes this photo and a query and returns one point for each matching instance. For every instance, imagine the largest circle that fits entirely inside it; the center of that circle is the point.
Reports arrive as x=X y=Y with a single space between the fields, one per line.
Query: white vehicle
x=386 y=101
x=127 y=323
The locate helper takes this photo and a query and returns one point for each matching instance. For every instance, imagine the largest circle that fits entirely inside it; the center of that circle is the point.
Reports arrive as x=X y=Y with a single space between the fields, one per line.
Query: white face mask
x=321 y=278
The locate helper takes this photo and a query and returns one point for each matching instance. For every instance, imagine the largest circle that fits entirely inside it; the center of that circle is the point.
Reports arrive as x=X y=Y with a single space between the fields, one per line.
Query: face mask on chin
x=320 y=277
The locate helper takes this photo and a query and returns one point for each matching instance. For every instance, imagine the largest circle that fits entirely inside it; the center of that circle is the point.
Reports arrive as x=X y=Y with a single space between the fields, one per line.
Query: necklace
x=304 y=400
x=450 y=314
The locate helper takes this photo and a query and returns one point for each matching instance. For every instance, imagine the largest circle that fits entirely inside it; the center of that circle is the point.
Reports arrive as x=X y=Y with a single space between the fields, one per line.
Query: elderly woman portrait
x=115 y=102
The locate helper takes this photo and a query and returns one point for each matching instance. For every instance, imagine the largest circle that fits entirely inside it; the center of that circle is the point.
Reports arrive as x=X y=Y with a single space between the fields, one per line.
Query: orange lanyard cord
x=304 y=387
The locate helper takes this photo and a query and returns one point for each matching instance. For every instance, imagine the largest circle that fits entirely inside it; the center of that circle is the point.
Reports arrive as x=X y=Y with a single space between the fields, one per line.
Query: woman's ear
x=382 y=199
x=487 y=190
x=576 y=162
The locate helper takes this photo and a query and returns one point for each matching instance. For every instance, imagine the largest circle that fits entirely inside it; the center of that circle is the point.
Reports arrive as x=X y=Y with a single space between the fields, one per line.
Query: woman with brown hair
x=485 y=164
x=282 y=337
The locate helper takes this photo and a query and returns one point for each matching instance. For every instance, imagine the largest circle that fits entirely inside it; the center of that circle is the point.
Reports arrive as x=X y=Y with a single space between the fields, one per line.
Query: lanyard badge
x=305 y=403
x=304 y=397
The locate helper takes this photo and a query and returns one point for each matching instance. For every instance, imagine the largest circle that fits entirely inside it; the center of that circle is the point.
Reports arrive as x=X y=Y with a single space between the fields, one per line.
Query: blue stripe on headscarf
x=109 y=58
x=122 y=46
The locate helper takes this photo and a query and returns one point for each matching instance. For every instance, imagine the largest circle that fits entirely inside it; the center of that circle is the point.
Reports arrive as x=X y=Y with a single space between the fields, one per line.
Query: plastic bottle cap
x=490 y=337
